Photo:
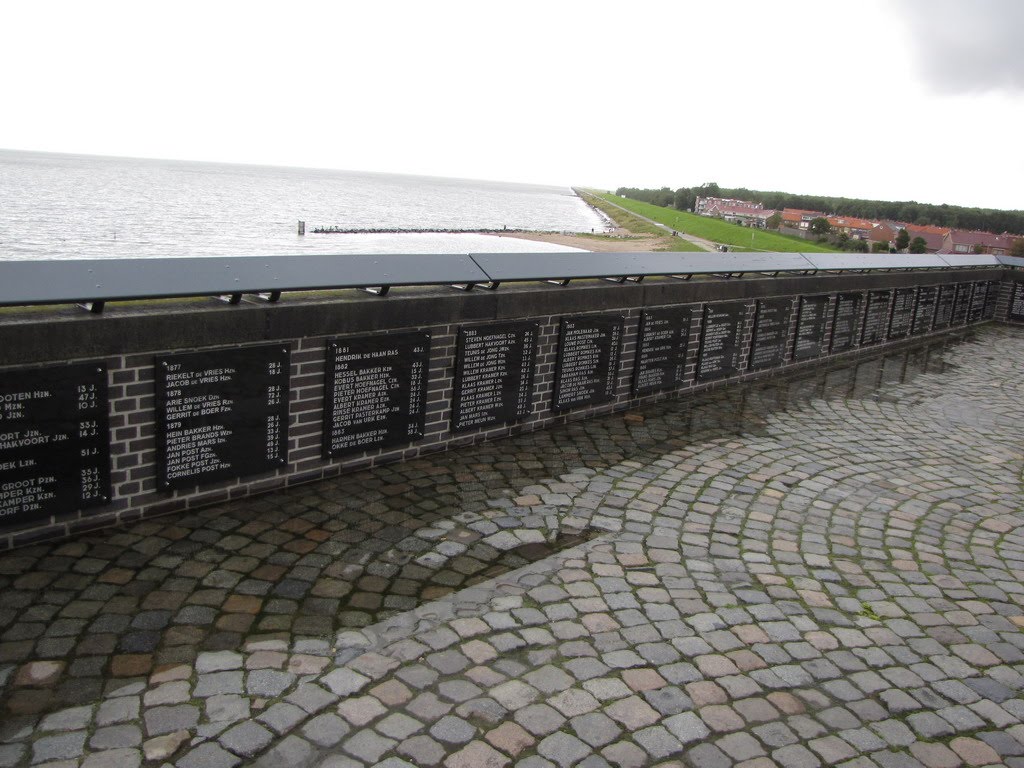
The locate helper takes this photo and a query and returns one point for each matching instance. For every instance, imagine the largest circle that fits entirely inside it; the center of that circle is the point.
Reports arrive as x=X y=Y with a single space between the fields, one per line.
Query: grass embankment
x=636 y=225
x=717 y=230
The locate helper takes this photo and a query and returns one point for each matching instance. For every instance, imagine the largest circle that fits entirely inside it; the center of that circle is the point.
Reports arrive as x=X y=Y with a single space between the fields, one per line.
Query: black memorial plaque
x=587 y=370
x=54 y=441
x=494 y=367
x=1016 y=308
x=376 y=392
x=902 y=315
x=810 y=327
x=924 y=312
x=771 y=330
x=875 y=317
x=944 y=306
x=844 y=321
x=720 y=336
x=661 y=349
x=991 y=298
x=976 y=306
x=961 y=303
x=221 y=414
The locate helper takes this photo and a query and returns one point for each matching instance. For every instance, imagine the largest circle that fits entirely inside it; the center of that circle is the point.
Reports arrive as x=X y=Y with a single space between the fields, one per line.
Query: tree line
x=909 y=212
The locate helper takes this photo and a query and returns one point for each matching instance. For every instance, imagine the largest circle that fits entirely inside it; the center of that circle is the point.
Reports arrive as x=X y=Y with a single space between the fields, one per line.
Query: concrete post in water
x=302 y=227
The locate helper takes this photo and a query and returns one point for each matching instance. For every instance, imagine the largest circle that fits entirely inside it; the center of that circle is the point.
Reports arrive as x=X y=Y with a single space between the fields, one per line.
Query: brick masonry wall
x=132 y=410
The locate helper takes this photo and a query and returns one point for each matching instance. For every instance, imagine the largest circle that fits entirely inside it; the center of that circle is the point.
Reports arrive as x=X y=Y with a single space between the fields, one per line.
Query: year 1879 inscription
x=376 y=392
x=54 y=441
x=221 y=414
x=494 y=374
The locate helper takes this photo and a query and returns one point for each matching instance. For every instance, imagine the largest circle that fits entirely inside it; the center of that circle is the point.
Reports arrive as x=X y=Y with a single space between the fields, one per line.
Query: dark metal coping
x=95 y=281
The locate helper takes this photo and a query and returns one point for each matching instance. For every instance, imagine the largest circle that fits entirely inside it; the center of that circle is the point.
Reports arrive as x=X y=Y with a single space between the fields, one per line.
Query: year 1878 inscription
x=221 y=414
x=54 y=441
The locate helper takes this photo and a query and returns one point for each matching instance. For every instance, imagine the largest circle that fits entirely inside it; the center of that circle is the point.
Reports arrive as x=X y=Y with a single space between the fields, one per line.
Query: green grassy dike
x=717 y=230
x=635 y=224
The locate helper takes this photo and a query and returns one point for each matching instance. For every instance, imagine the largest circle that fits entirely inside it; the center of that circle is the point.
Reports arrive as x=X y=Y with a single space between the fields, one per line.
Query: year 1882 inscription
x=494 y=374
x=376 y=392
x=588 y=360
x=54 y=441
x=221 y=414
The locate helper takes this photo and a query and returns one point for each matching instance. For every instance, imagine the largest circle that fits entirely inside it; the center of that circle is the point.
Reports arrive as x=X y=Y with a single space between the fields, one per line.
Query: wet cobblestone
x=818 y=570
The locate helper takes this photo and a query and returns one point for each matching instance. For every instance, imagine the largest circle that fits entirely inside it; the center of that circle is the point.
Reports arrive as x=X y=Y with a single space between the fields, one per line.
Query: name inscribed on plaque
x=991 y=297
x=961 y=303
x=924 y=312
x=494 y=367
x=875 y=316
x=810 y=327
x=221 y=413
x=844 y=322
x=719 y=354
x=771 y=329
x=54 y=441
x=902 y=313
x=661 y=349
x=587 y=369
x=376 y=392
x=1016 y=309
x=976 y=307
x=944 y=306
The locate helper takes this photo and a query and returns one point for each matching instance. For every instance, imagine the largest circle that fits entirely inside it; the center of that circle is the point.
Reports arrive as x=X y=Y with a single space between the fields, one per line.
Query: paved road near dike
x=818 y=570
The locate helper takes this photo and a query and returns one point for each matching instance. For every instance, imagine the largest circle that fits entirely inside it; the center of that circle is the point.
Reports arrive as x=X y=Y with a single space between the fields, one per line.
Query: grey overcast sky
x=888 y=99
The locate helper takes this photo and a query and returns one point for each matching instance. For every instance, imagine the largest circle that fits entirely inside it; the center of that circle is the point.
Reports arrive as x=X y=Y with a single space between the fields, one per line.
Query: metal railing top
x=92 y=282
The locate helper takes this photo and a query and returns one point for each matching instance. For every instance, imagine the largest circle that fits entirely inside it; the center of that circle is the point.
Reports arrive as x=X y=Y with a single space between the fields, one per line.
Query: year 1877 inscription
x=221 y=413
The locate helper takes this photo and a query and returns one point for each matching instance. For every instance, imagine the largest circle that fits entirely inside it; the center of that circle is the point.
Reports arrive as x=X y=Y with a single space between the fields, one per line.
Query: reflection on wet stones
x=289 y=570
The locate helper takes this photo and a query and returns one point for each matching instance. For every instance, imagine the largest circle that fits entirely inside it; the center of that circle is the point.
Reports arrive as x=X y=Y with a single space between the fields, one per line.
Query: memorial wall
x=177 y=409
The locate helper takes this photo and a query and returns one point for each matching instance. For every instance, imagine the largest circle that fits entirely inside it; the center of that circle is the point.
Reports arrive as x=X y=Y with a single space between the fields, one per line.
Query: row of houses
x=796 y=221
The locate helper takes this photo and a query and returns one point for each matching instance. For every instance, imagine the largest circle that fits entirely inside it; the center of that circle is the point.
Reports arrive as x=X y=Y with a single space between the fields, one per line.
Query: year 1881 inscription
x=661 y=350
x=719 y=354
x=588 y=360
x=376 y=392
x=494 y=374
x=221 y=413
x=810 y=327
x=844 y=323
x=54 y=441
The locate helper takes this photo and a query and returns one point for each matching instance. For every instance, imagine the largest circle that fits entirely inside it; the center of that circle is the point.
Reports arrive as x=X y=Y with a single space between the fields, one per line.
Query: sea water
x=75 y=206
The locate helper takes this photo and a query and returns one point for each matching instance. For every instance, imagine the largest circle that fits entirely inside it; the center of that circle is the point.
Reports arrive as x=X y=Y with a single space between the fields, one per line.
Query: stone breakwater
x=805 y=571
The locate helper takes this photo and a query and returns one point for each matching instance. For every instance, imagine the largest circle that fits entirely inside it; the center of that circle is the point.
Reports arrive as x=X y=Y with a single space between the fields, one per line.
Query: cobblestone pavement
x=819 y=570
